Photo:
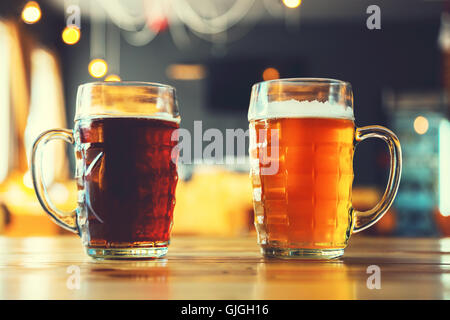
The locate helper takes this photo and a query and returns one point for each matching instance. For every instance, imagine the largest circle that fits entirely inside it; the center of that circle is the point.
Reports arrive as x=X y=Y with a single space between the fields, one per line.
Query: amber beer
x=304 y=128
x=307 y=202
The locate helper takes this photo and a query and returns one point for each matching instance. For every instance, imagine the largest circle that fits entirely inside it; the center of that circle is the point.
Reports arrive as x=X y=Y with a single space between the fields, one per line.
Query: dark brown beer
x=126 y=181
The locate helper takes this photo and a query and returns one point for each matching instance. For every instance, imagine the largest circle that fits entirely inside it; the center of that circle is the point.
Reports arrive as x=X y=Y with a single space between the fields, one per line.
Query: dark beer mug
x=126 y=169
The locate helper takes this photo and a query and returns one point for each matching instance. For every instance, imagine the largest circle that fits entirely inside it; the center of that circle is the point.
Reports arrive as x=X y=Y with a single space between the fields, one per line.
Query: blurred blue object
x=414 y=213
x=416 y=119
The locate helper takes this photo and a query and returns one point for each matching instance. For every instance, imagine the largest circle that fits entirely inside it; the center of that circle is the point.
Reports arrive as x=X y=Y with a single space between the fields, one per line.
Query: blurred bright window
x=4 y=102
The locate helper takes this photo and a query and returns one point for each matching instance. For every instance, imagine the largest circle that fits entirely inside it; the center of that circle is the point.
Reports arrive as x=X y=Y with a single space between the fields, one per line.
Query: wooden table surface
x=223 y=268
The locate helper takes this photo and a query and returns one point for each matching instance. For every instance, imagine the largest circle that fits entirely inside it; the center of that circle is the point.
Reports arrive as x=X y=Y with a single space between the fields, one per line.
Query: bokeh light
x=98 y=68
x=112 y=78
x=292 y=4
x=270 y=74
x=186 y=71
x=421 y=125
x=71 y=35
x=31 y=13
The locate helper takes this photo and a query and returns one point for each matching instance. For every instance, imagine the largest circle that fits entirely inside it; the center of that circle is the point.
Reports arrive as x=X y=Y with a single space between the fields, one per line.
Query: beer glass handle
x=66 y=220
x=365 y=219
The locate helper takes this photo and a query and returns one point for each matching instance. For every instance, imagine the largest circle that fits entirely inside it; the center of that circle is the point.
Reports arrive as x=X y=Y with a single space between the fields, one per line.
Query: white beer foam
x=302 y=109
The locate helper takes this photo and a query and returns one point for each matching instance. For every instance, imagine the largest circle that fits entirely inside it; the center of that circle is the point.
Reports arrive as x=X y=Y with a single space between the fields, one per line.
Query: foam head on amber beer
x=301 y=109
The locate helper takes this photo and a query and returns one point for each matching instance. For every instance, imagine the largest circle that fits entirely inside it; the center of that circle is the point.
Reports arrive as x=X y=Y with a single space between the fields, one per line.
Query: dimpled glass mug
x=302 y=139
x=126 y=171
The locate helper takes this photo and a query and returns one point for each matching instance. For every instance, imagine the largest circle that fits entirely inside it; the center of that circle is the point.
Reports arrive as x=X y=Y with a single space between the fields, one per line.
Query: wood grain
x=224 y=268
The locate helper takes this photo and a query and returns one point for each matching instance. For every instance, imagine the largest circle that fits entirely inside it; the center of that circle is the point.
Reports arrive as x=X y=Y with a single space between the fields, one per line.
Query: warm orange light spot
x=98 y=68
x=71 y=34
x=31 y=13
x=112 y=78
x=421 y=125
x=270 y=74
x=292 y=4
x=186 y=71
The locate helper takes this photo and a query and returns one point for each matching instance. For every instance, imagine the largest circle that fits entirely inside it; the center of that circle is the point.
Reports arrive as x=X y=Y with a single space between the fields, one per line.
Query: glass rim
x=126 y=84
x=143 y=99
x=305 y=81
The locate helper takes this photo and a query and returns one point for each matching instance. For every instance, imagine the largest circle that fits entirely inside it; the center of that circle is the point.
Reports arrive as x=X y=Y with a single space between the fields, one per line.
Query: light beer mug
x=302 y=139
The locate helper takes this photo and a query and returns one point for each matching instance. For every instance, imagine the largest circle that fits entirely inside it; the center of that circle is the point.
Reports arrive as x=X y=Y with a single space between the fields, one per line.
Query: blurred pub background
x=212 y=52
